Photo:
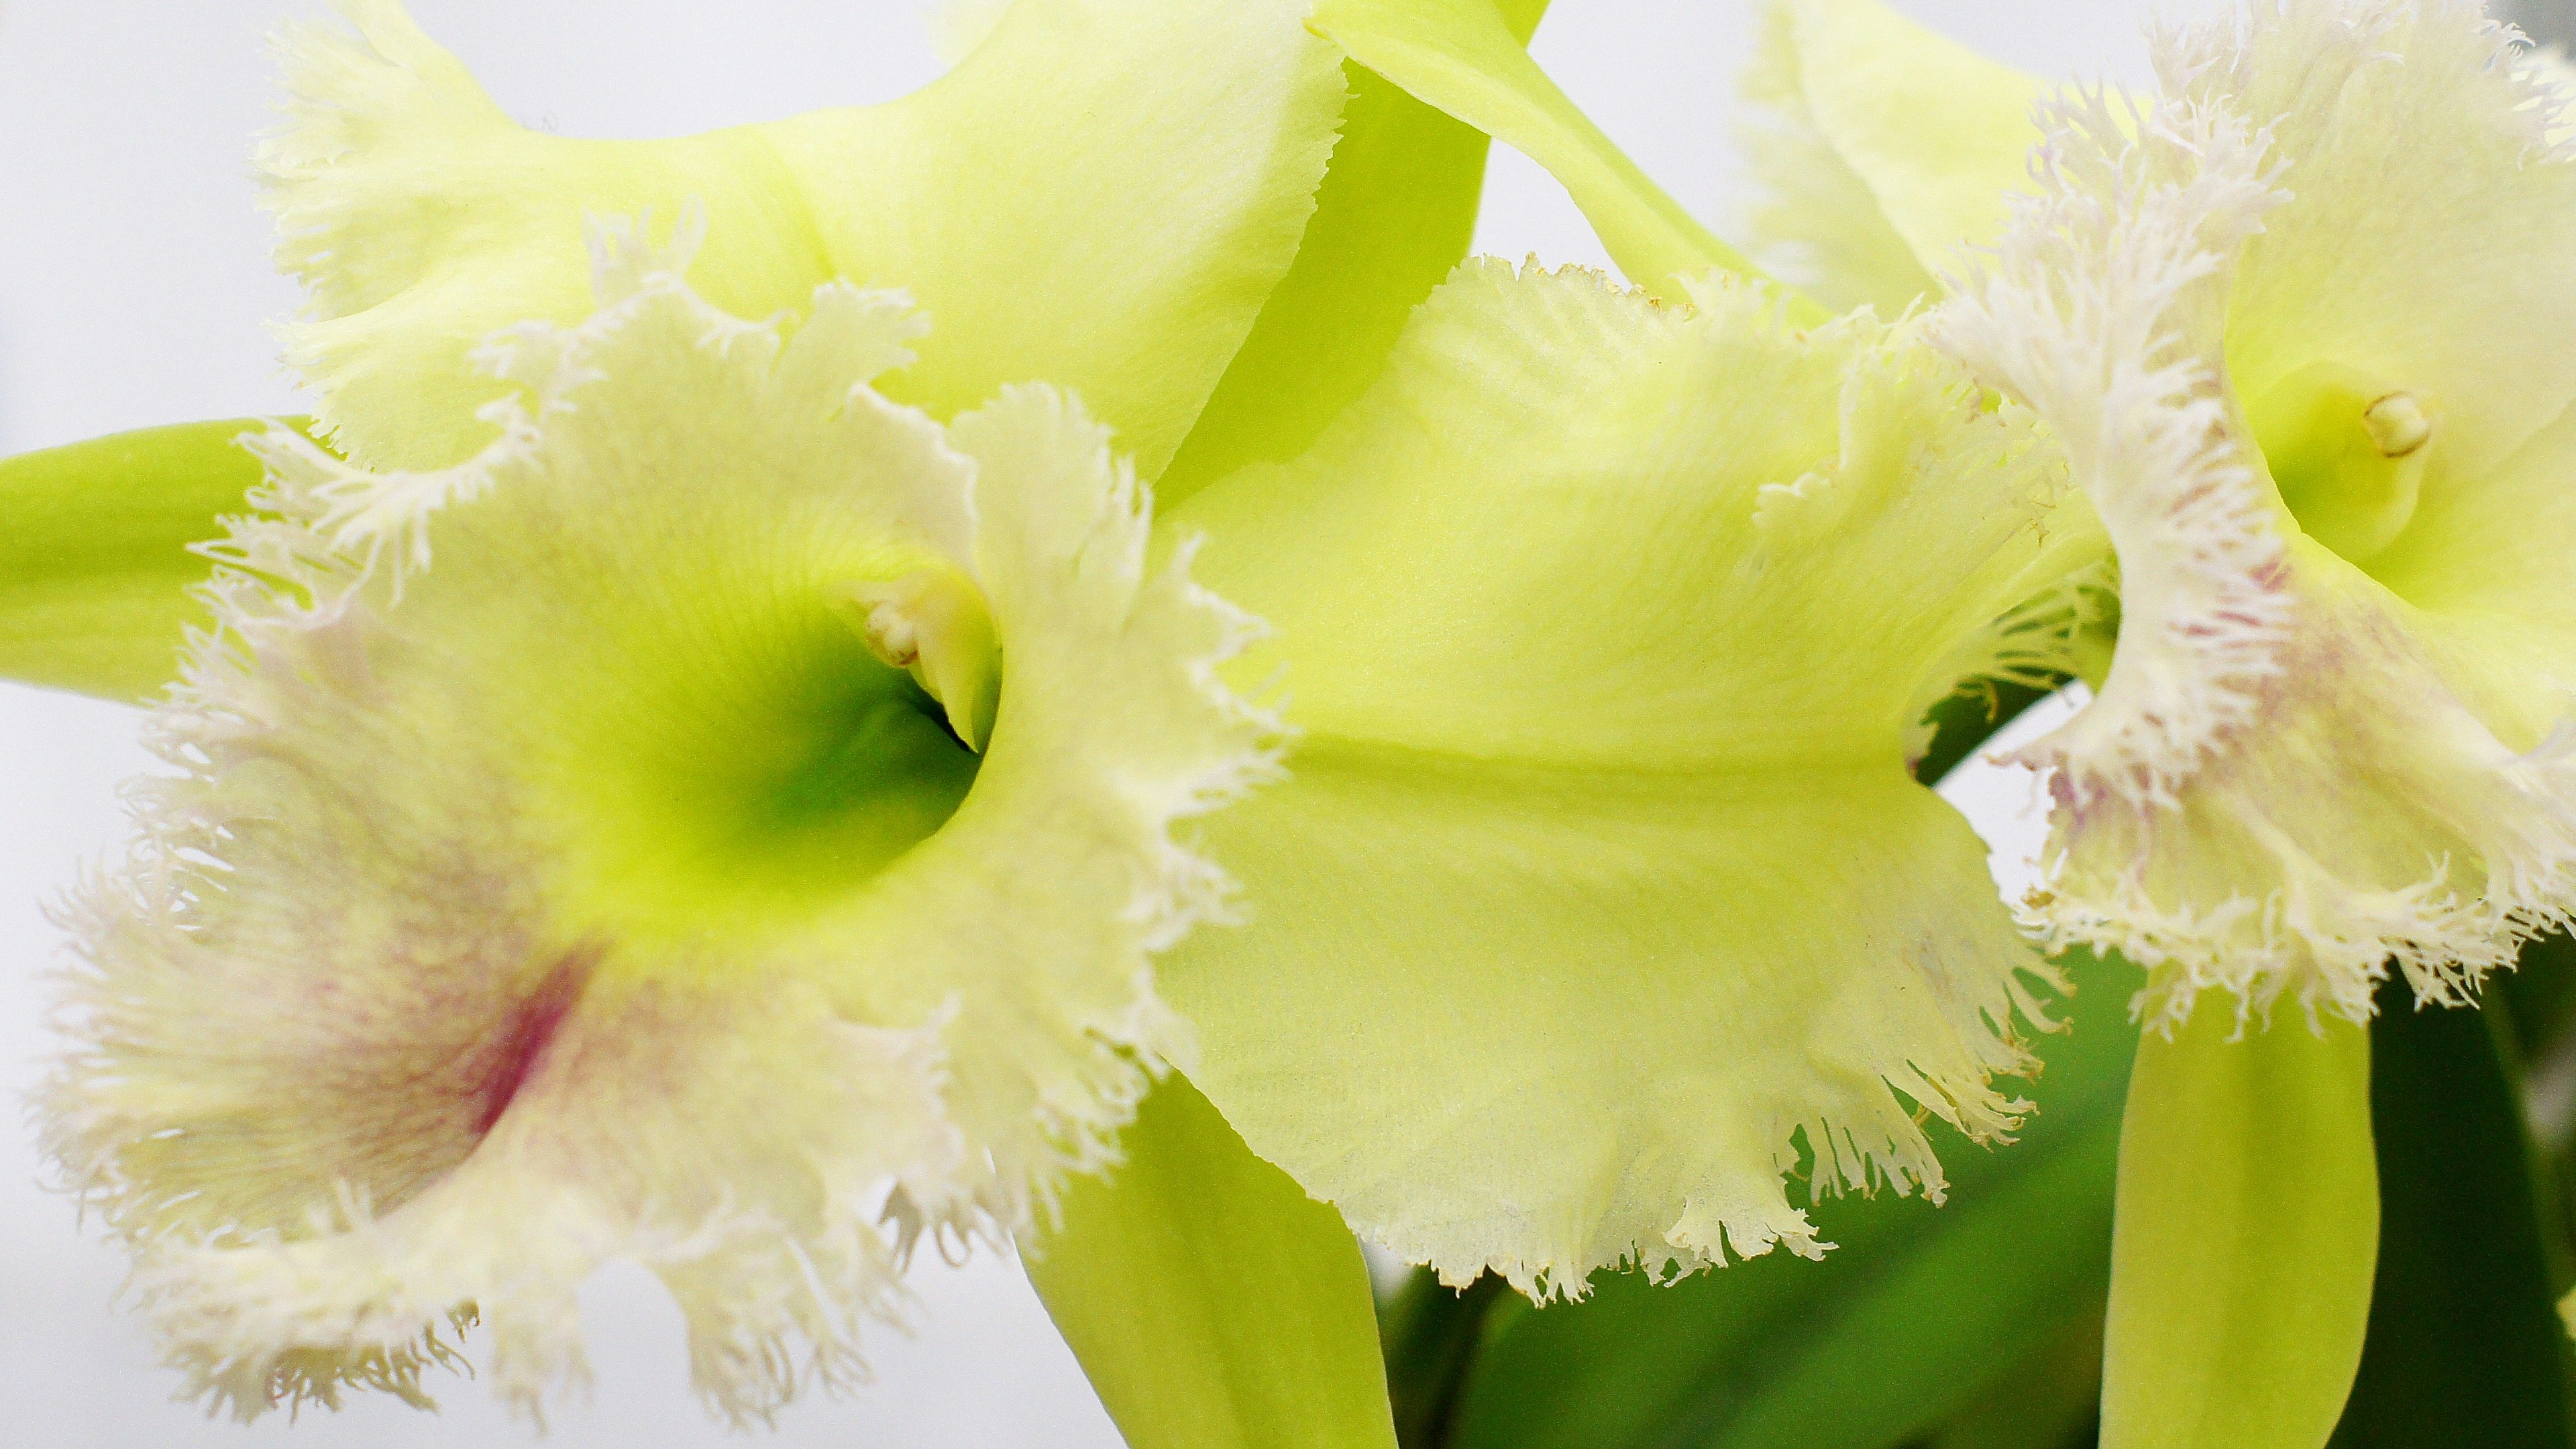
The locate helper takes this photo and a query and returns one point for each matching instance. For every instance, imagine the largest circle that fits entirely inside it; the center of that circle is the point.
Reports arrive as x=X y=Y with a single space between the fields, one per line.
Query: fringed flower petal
x=565 y=860
x=1606 y=624
x=2306 y=395
x=1883 y=149
x=1101 y=195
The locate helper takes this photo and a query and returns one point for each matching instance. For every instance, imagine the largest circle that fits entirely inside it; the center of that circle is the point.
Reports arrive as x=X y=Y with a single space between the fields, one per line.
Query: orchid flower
x=702 y=757
x=2294 y=317
x=406 y=960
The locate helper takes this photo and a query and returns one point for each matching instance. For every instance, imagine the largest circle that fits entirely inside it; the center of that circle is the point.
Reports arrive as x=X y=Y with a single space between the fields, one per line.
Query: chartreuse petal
x=1213 y=1303
x=1397 y=210
x=1918 y=1316
x=2247 y=1230
x=1608 y=626
x=97 y=558
x=2301 y=331
x=1101 y=196
x=1886 y=151
x=561 y=859
x=1462 y=56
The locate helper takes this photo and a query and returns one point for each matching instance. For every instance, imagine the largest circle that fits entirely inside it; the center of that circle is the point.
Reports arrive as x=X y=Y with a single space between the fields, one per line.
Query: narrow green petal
x=1397 y=210
x=1213 y=1304
x=559 y=859
x=1101 y=196
x=1619 y=801
x=96 y=562
x=2247 y=1231
x=1889 y=148
x=1462 y=56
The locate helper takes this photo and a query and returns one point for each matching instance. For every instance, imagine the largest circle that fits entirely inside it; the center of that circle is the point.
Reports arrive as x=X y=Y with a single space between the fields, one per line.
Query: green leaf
x=2465 y=1343
x=1432 y=1334
x=2248 y=1230
x=1396 y=211
x=1461 y=56
x=2052 y=1399
x=1213 y=1304
x=1914 y=1313
x=95 y=565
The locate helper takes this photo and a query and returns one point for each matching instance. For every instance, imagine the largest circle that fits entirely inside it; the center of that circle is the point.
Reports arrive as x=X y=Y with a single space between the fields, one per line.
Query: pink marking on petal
x=531 y=1030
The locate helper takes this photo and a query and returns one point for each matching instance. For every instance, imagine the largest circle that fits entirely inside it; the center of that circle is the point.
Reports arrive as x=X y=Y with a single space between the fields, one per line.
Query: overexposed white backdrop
x=134 y=289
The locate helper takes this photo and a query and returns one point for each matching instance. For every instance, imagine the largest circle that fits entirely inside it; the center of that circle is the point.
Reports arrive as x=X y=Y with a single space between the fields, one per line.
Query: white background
x=134 y=283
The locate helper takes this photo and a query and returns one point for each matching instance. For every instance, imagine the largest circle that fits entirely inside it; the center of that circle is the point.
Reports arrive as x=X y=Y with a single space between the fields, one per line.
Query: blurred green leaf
x=1915 y=1315
x=2050 y=1400
x=2465 y=1344
x=1433 y=1334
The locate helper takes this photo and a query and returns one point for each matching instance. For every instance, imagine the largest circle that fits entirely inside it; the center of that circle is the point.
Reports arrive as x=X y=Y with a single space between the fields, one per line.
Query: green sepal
x=1461 y=56
x=1915 y=1313
x=2247 y=1234
x=1213 y=1304
x=95 y=559
x=2465 y=1343
x=1396 y=212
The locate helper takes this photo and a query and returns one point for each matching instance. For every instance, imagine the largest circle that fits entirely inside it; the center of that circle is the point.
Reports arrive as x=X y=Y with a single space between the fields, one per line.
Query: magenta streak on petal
x=529 y=1033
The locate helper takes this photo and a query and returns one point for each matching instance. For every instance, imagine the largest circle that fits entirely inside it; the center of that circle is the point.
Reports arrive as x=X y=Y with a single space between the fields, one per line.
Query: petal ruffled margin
x=549 y=873
x=1657 y=917
x=2279 y=788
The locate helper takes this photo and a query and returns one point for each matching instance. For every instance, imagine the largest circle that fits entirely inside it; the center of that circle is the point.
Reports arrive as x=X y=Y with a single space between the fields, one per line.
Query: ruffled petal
x=1101 y=196
x=1605 y=624
x=556 y=869
x=1884 y=150
x=2325 y=742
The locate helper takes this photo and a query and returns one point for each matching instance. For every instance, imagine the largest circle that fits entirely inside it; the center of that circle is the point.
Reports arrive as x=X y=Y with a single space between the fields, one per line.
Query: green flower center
x=766 y=767
x=2347 y=453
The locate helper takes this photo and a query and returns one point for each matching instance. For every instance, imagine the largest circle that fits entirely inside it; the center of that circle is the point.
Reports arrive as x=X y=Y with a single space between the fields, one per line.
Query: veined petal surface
x=2300 y=331
x=1606 y=626
x=1884 y=150
x=1100 y=196
x=553 y=867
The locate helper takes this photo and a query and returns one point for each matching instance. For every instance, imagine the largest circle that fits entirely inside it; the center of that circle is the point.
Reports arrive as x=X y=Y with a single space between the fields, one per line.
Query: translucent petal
x=1100 y=196
x=2306 y=763
x=1604 y=623
x=1886 y=150
x=551 y=871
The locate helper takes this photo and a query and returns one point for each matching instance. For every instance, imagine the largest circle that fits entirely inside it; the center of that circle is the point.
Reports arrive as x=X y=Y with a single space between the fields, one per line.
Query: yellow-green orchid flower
x=362 y=938
x=2300 y=337
x=2296 y=321
x=679 y=778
